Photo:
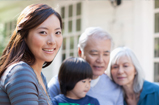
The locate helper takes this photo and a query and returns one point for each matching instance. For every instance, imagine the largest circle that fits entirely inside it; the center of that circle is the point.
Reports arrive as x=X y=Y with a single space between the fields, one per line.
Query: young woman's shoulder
x=20 y=83
x=17 y=72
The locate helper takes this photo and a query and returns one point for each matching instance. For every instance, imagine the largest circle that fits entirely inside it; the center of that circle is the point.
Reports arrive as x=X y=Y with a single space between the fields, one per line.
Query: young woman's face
x=80 y=89
x=123 y=71
x=45 y=40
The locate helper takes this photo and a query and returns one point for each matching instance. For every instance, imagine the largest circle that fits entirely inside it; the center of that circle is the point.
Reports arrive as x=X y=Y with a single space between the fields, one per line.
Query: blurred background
x=132 y=23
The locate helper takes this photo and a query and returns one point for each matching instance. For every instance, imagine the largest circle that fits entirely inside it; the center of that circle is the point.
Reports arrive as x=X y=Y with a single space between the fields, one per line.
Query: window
x=7 y=31
x=156 y=22
x=78 y=24
x=70 y=26
x=9 y=28
x=72 y=23
x=71 y=54
x=64 y=44
x=70 y=10
x=63 y=56
x=156 y=72
x=156 y=42
x=63 y=26
x=63 y=12
x=78 y=9
x=72 y=42
x=156 y=3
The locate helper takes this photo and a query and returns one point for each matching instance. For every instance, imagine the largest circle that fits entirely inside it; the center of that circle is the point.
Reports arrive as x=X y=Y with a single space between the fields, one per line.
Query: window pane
x=156 y=22
x=156 y=3
x=63 y=56
x=70 y=10
x=156 y=46
x=71 y=54
x=78 y=38
x=70 y=26
x=63 y=12
x=156 y=72
x=63 y=26
x=72 y=43
x=64 y=44
x=78 y=12
x=78 y=24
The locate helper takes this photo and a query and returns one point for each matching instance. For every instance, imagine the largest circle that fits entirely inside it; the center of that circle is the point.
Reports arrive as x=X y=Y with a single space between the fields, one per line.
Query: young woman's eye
x=83 y=81
x=42 y=32
x=58 y=32
x=89 y=81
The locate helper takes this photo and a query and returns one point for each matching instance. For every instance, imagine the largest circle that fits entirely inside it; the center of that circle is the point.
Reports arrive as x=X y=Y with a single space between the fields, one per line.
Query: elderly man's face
x=97 y=54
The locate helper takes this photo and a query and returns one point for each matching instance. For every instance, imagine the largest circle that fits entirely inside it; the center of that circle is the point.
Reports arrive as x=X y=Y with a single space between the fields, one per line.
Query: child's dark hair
x=72 y=71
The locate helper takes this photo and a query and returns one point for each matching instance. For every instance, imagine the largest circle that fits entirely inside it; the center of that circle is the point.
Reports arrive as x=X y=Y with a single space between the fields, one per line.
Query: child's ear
x=79 y=52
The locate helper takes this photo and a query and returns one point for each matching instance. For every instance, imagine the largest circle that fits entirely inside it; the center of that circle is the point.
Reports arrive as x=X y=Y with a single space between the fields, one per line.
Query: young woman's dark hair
x=72 y=71
x=17 y=49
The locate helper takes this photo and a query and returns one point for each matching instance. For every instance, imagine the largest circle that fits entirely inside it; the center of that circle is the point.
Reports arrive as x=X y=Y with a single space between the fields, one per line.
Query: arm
x=54 y=87
x=21 y=87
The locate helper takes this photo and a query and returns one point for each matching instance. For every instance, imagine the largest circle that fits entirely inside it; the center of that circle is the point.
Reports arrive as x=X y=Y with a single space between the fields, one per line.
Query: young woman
x=126 y=71
x=33 y=46
x=74 y=77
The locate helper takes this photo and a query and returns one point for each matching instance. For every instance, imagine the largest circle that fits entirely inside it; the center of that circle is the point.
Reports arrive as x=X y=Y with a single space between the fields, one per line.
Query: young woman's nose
x=51 y=40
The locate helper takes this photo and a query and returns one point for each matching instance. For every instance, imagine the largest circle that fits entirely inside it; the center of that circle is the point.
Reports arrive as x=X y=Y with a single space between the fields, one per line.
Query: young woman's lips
x=49 y=51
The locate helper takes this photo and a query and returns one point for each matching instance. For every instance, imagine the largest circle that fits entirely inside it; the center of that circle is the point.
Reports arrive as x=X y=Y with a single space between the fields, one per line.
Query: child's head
x=72 y=71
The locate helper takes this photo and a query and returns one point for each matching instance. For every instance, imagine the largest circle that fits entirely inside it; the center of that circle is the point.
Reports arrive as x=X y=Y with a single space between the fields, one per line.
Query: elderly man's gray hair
x=92 y=31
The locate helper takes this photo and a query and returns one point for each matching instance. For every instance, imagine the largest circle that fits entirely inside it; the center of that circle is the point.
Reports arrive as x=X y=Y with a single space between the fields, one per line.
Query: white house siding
x=130 y=24
x=143 y=32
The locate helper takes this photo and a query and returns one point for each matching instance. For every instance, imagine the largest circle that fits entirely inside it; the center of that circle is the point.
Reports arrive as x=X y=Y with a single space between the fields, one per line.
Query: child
x=74 y=77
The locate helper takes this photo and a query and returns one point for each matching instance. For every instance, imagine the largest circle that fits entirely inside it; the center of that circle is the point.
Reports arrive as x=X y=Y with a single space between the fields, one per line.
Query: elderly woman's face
x=123 y=71
x=45 y=40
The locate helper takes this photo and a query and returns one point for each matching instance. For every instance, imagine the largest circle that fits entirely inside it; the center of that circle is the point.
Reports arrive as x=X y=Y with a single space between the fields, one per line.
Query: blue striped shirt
x=19 y=86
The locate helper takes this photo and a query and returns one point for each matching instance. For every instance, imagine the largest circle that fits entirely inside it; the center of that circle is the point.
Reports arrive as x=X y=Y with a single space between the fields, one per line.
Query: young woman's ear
x=79 y=52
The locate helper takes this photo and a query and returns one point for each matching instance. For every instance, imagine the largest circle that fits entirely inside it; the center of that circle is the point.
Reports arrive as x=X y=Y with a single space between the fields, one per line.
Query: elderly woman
x=125 y=70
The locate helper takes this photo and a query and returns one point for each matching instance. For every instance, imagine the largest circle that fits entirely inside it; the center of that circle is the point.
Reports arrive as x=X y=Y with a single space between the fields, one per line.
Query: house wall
x=130 y=24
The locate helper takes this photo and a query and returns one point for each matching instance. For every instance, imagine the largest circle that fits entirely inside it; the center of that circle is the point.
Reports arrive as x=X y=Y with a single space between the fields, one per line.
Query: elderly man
x=95 y=46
